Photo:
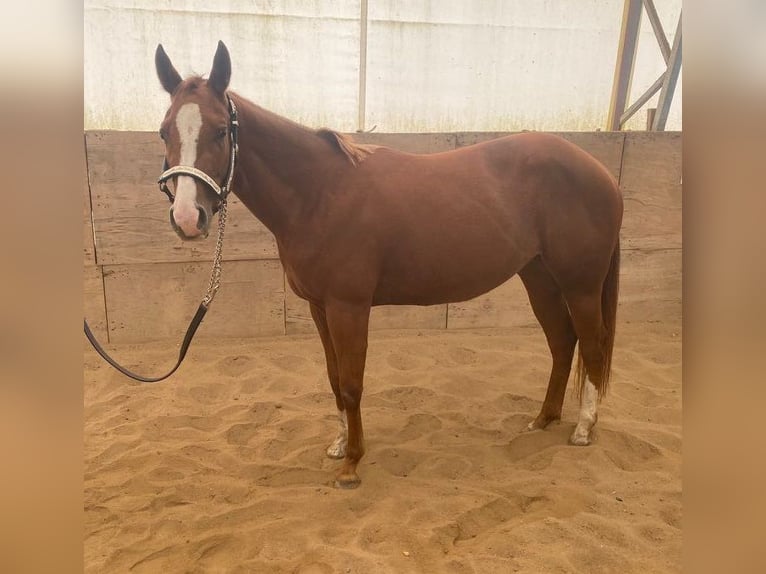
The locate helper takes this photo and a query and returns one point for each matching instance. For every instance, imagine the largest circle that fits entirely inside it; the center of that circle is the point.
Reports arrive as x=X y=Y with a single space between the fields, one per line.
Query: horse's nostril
x=202 y=219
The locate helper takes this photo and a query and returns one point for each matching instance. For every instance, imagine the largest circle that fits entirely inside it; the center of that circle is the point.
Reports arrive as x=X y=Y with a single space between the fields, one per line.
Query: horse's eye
x=162 y=135
x=221 y=133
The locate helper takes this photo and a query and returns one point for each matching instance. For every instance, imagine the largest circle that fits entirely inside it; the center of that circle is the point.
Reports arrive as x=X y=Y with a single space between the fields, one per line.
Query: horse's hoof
x=580 y=437
x=347 y=481
x=541 y=423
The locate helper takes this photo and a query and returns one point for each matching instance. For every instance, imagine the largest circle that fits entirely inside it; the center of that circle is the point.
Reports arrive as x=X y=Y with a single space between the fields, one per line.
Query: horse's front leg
x=347 y=324
x=337 y=448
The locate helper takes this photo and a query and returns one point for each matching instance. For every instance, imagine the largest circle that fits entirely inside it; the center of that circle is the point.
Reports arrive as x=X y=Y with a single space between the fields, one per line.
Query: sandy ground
x=222 y=468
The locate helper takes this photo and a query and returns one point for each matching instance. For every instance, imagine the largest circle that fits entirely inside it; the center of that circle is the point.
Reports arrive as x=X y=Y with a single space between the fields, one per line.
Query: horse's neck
x=280 y=166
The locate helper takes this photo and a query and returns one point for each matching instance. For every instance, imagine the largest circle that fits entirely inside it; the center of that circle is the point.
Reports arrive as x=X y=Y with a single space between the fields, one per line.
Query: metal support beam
x=659 y=33
x=653 y=89
x=626 y=57
x=669 y=83
x=362 y=67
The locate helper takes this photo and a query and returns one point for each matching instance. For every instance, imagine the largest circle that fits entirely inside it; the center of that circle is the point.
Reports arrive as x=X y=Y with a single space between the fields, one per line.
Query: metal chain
x=215 y=277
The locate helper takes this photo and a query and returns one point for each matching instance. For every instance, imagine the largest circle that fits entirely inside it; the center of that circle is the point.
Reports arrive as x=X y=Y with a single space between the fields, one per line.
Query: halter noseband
x=220 y=191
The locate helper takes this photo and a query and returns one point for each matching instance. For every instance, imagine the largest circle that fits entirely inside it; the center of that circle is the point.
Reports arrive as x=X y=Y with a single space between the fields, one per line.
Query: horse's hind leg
x=337 y=448
x=586 y=312
x=551 y=311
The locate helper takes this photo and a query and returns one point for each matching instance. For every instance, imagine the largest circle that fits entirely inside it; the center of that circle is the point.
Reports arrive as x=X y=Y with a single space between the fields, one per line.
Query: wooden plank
x=651 y=185
x=89 y=248
x=408 y=317
x=650 y=286
x=411 y=143
x=147 y=302
x=298 y=316
x=128 y=157
x=604 y=146
x=504 y=306
x=659 y=33
x=94 y=306
x=131 y=215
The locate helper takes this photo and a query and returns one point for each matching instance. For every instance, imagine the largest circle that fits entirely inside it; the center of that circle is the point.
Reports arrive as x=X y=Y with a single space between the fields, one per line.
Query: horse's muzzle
x=190 y=224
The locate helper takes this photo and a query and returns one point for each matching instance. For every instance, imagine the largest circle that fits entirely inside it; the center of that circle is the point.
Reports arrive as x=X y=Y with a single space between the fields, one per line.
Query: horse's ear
x=221 y=71
x=169 y=77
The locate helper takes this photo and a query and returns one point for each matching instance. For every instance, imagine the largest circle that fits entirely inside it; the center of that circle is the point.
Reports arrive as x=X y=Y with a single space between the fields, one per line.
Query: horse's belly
x=448 y=282
x=428 y=262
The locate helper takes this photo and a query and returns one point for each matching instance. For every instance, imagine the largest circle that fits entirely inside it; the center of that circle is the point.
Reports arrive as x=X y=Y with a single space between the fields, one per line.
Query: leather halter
x=199 y=175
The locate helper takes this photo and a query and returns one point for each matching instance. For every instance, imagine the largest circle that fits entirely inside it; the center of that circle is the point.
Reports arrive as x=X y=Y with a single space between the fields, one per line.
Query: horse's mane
x=356 y=153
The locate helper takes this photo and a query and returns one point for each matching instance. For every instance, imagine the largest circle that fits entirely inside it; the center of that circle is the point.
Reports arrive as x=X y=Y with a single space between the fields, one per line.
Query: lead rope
x=215 y=283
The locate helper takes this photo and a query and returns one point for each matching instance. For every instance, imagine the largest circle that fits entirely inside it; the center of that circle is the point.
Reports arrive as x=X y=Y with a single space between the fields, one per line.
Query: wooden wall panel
x=94 y=305
x=147 y=302
x=653 y=160
x=131 y=215
x=651 y=185
x=408 y=317
x=650 y=286
x=504 y=306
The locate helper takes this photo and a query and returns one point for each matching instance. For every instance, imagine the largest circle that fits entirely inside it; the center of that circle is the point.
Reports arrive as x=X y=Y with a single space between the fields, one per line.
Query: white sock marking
x=588 y=414
x=338 y=447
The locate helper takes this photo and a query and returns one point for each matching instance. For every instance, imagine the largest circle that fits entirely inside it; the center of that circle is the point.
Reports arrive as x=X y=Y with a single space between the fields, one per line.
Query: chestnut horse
x=358 y=226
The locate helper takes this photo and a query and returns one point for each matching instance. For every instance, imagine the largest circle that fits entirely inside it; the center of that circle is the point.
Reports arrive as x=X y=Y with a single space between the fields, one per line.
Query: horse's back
x=514 y=181
x=527 y=159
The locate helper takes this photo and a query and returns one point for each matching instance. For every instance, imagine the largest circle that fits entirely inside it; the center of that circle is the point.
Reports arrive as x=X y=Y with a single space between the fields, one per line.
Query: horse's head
x=196 y=132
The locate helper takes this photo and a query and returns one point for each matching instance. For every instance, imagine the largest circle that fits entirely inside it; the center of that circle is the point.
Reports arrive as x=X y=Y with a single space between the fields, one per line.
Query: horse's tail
x=609 y=295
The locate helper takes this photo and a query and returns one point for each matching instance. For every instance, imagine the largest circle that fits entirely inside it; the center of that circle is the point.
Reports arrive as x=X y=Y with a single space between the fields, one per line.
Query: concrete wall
x=143 y=283
x=431 y=66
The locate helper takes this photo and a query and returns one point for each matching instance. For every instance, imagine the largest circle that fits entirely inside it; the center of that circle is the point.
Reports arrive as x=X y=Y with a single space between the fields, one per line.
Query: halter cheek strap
x=220 y=191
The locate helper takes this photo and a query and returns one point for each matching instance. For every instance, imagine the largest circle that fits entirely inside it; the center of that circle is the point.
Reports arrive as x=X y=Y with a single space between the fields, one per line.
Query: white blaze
x=185 y=214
